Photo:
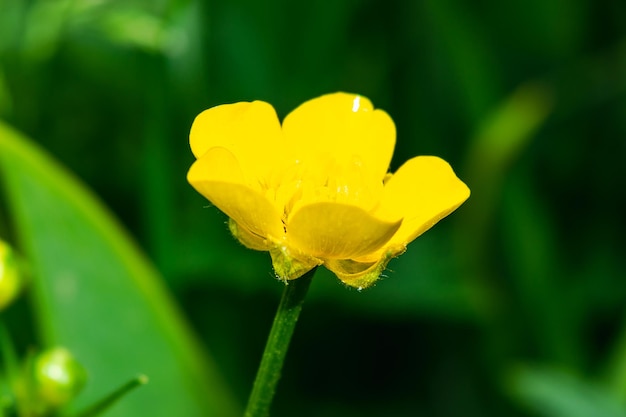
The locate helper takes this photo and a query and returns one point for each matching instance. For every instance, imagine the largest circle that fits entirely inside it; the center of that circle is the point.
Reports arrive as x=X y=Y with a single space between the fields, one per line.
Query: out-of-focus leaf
x=11 y=14
x=44 y=25
x=504 y=135
x=616 y=371
x=135 y=28
x=96 y=294
x=554 y=393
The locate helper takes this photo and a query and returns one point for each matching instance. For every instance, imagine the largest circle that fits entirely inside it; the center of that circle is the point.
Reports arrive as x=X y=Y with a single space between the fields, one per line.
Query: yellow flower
x=315 y=191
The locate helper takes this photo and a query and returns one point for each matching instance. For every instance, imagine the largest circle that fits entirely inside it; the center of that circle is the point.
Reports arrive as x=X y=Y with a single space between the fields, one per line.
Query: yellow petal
x=218 y=177
x=337 y=231
x=359 y=274
x=345 y=126
x=251 y=131
x=423 y=191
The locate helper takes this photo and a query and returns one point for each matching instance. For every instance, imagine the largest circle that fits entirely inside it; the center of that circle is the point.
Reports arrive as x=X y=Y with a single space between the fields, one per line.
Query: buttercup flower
x=315 y=190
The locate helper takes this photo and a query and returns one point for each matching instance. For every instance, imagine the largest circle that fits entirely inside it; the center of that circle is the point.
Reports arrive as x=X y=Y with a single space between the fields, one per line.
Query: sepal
x=246 y=238
x=361 y=275
x=289 y=264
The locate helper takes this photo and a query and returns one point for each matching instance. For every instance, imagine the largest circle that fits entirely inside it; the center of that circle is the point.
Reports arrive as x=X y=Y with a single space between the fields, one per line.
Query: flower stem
x=276 y=347
x=105 y=403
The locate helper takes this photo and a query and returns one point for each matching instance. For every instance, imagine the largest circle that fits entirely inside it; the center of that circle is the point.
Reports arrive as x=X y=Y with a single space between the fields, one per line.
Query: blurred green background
x=515 y=305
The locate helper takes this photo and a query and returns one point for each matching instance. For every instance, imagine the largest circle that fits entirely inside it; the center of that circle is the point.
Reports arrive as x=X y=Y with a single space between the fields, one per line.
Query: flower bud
x=10 y=280
x=58 y=376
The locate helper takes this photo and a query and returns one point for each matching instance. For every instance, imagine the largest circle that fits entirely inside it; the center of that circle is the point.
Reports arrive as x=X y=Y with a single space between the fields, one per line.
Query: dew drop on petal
x=356 y=103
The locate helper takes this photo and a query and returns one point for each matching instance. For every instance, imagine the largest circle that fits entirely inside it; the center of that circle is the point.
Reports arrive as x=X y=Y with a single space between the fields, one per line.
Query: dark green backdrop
x=513 y=306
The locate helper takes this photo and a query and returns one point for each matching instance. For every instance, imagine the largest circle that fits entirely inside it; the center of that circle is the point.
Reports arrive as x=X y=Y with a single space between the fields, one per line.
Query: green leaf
x=616 y=369
x=554 y=393
x=96 y=294
x=504 y=136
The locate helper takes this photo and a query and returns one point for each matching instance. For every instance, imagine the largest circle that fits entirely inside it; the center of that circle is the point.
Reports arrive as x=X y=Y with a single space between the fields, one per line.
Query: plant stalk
x=277 y=345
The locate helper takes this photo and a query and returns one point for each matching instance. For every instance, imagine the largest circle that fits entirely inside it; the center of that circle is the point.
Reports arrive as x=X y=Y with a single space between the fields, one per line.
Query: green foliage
x=96 y=295
x=555 y=393
x=526 y=99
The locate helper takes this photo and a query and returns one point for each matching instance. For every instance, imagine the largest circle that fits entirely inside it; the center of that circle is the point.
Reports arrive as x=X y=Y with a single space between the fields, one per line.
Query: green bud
x=10 y=280
x=58 y=376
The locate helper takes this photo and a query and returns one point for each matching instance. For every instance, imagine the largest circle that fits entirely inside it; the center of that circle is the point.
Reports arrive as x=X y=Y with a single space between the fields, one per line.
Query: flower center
x=323 y=179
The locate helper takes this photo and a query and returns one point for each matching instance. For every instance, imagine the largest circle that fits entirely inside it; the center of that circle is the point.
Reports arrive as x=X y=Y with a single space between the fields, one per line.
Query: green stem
x=104 y=404
x=276 y=347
